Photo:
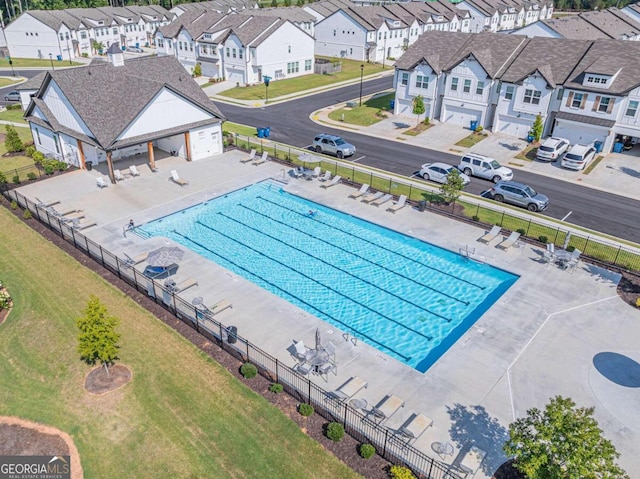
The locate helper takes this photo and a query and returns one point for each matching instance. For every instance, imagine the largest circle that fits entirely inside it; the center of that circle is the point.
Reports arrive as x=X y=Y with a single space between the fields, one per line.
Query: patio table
x=562 y=256
x=316 y=358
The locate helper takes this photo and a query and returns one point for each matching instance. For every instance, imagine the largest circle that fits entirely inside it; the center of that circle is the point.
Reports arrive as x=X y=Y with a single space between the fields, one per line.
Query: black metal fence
x=356 y=424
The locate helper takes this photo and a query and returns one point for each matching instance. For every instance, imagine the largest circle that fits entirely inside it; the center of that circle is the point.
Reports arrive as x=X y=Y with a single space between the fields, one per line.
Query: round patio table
x=359 y=403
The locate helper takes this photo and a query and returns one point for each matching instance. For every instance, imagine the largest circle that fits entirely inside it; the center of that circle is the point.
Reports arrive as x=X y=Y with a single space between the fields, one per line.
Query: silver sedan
x=438 y=172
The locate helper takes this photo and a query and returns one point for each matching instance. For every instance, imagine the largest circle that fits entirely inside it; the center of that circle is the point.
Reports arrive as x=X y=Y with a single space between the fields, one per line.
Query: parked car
x=578 y=157
x=552 y=148
x=13 y=95
x=438 y=172
x=518 y=194
x=333 y=145
x=134 y=49
x=481 y=166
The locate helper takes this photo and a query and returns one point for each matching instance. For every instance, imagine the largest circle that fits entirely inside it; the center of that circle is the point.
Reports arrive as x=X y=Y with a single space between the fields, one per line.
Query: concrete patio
x=553 y=333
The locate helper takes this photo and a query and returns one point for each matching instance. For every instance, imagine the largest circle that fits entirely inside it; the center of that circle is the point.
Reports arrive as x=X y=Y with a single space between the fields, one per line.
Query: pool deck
x=553 y=333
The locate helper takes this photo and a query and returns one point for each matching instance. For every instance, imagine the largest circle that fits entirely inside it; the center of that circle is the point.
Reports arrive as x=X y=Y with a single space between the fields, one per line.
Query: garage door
x=461 y=116
x=578 y=134
x=513 y=126
x=405 y=108
x=235 y=76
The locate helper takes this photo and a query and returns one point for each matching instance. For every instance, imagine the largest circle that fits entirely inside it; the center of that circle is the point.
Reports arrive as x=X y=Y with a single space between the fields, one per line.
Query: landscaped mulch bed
x=629 y=288
x=24 y=441
x=99 y=382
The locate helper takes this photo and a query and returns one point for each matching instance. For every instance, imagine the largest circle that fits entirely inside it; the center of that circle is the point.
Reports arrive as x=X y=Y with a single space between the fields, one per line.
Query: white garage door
x=513 y=126
x=461 y=116
x=577 y=134
x=405 y=108
x=235 y=76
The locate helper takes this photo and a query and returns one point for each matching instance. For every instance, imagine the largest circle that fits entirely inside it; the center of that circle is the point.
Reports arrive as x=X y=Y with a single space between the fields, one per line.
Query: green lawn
x=10 y=163
x=350 y=70
x=13 y=115
x=7 y=81
x=369 y=113
x=471 y=140
x=35 y=62
x=182 y=415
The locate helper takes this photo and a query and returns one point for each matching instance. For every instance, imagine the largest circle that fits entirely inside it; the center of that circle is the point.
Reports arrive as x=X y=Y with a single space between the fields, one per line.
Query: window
x=577 y=100
x=233 y=53
x=466 y=88
x=307 y=65
x=560 y=94
x=38 y=136
x=480 y=88
x=204 y=49
x=228 y=52
x=241 y=53
x=454 y=84
x=160 y=43
x=55 y=140
x=288 y=48
x=334 y=32
x=531 y=96
x=62 y=36
x=422 y=82
x=404 y=79
x=115 y=31
x=293 y=67
x=605 y=103
x=508 y=92
x=632 y=109
x=180 y=45
x=66 y=36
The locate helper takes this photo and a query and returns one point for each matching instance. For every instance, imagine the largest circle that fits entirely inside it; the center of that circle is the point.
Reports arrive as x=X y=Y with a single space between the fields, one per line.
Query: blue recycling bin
x=392 y=104
x=598 y=146
x=530 y=138
x=474 y=125
x=137 y=45
x=260 y=132
x=267 y=132
x=59 y=57
x=617 y=147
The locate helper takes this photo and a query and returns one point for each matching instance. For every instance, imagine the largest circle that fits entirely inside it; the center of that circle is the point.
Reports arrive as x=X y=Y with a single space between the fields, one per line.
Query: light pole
x=266 y=80
x=361 y=73
x=51 y=60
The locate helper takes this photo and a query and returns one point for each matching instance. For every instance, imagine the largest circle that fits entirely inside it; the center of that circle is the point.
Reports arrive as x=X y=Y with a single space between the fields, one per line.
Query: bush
x=426 y=120
x=570 y=249
x=3 y=179
x=12 y=140
x=15 y=106
x=543 y=239
x=5 y=299
x=276 y=388
x=475 y=218
x=366 y=451
x=638 y=303
x=335 y=431
x=32 y=176
x=479 y=129
x=29 y=151
x=85 y=55
x=248 y=370
x=27 y=215
x=38 y=157
x=401 y=472
x=14 y=205
x=16 y=179
x=49 y=169
x=61 y=166
x=521 y=231
x=305 y=409
x=197 y=70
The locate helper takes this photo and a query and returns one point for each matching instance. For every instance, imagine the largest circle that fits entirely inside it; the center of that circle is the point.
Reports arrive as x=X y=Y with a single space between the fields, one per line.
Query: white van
x=484 y=167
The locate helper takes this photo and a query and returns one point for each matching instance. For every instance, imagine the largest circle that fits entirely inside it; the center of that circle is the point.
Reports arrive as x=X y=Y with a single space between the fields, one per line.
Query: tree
x=450 y=190
x=197 y=70
x=96 y=46
x=274 y=3
x=536 y=129
x=97 y=340
x=418 y=107
x=12 y=140
x=562 y=442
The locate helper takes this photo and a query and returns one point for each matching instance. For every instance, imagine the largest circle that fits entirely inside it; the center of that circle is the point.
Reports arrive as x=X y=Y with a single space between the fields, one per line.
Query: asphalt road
x=290 y=123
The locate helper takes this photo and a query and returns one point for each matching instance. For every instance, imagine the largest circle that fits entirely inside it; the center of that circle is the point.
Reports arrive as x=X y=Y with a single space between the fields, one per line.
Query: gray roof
x=590 y=120
x=611 y=23
x=435 y=48
x=574 y=27
x=108 y=98
x=172 y=29
x=293 y=14
x=32 y=83
x=220 y=6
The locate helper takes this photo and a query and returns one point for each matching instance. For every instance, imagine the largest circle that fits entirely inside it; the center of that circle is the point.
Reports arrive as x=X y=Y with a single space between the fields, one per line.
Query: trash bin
x=232 y=334
x=392 y=104
x=89 y=165
x=59 y=57
x=124 y=49
x=422 y=205
x=598 y=146
x=260 y=132
x=617 y=147
x=474 y=125
x=529 y=138
x=137 y=45
x=267 y=132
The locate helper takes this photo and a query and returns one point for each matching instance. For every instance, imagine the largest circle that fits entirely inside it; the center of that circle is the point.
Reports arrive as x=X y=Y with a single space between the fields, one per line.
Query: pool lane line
x=270 y=218
x=311 y=306
x=471 y=283
x=357 y=278
x=378 y=313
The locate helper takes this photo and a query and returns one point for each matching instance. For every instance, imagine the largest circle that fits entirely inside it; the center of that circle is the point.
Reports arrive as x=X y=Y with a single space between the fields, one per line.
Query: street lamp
x=361 y=73
x=51 y=59
x=266 y=80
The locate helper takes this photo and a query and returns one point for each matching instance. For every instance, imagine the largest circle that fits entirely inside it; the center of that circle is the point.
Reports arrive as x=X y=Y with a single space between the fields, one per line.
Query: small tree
x=96 y=46
x=450 y=190
x=274 y=3
x=12 y=140
x=97 y=340
x=562 y=442
x=418 y=107
x=536 y=129
x=197 y=70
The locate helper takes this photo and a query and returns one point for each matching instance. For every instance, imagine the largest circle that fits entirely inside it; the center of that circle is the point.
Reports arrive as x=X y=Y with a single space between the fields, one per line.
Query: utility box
x=351 y=104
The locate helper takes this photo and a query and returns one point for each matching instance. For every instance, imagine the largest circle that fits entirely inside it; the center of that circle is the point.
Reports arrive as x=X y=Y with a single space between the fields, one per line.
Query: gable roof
x=574 y=27
x=433 y=48
x=612 y=23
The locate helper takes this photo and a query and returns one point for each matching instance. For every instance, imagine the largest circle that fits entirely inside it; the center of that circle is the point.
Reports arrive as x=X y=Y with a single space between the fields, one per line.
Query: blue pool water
x=408 y=298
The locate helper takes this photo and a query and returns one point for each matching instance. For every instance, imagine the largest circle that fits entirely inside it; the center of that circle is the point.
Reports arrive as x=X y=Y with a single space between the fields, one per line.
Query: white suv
x=484 y=167
x=552 y=148
x=578 y=157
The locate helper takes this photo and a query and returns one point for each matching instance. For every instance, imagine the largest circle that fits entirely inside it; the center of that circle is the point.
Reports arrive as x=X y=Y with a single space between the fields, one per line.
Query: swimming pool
x=407 y=298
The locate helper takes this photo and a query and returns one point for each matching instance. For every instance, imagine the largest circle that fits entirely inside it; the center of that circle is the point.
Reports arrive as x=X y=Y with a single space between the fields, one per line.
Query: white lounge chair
x=182 y=285
x=510 y=241
x=117 y=174
x=261 y=160
x=372 y=197
x=251 y=157
x=136 y=259
x=316 y=171
x=349 y=389
x=46 y=204
x=300 y=350
x=326 y=176
x=176 y=178
x=297 y=172
x=573 y=261
x=491 y=235
x=381 y=200
x=76 y=224
x=134 y=171
x=361 y=192
x=413 y=428
x=220 y=306
x=387 y=407
x=398 y=205
x=333 y=182
x=549 y=255
x=101 y=182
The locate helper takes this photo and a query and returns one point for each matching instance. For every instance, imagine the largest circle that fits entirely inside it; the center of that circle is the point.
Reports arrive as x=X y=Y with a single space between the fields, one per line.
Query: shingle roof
x=611 y=23
x=574 y=27
x=32 y=83
x=435 y=48
x=108 y=98
x=294 y=14
x=590 y=120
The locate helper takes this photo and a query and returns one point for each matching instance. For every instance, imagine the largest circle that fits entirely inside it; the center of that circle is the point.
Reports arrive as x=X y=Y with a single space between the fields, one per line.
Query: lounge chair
x=361 y=192
x=262 y=159
x=333 y=182
x=297 y=172
x=507 y=243
x=176 y=178
x=372 y=197
x=491 y=235
x=300 y=350
x=101 y=182
x=549 y=255
x=573 y=261
x=316 y=171
x=413 y=428
x=176 y=288
x=134 y=171
x=61 y=214
x=250 y=158
x=349 y=389
x=82 y=225
x=381 y=200
x=220 y=306
x=327 y=368
x=46 y=204
x=69 y=218
x=398 y=205
x=160 y=272
x=136 y=259
x=326 y=176
x=117 y=174
x=387 y=407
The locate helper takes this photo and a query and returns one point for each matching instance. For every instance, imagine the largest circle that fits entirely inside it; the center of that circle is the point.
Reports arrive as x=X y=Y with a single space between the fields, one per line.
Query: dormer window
x=596 y=80
x=100 y=23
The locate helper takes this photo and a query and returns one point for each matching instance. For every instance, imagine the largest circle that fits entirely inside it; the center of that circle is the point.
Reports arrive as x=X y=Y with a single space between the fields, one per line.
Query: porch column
x=83 y=163
x=152 y=160
x=187 y=147
x=110 y=166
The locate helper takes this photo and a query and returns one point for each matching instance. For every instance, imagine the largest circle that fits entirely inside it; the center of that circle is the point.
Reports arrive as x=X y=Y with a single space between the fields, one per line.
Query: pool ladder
x=353 y=339
x=466 y=252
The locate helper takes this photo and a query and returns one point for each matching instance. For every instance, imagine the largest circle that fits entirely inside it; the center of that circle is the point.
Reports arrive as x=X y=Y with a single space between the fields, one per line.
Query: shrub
x=521 y=231
x=5 y=299
x=38 y=157
x=335 y=431
x=29 y=151
x=401 y=472
x=49 y=169
x=85 y=55
x=475 y=218
x=27 y=215
x=570 y=248
x=426 y=120
x=3 y=179
x=638 y=302
x=12 y=140
x=479 y=129
x=305 y=409
x=366 y=451
x=61 y=165
x=248 y=370
x=276 y=388
x=32 y=176
x=197 y=70
x=16 y=179
x=15 y=106
x=14 y=205
x=543 y=239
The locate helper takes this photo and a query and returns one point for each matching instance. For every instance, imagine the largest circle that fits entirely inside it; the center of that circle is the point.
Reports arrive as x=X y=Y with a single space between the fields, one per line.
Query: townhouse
x=220 y=6
x=67 y=34
x=504 y=15
x=585 y=90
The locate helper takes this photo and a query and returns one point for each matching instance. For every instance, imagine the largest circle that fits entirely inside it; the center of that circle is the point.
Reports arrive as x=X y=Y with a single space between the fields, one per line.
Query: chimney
x=115 y=55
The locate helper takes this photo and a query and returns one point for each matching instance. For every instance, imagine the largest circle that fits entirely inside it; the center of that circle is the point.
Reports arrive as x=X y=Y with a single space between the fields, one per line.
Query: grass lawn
x=365 y=115
x=529 y=153
x=13 y=115
x=593 y=165
x=182 y=415
x=471 y=140
x=7 y=81
x=419 y=128
x=10 y=163
x=35 y=62
x=239 y=129
x=350 y=70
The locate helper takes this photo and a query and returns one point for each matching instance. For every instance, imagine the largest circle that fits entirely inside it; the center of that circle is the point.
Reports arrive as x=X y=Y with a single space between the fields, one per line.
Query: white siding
x=342 y=37
x=29 y=38
x=205 y=142
x=462 y=107
x=537 y=29
x=61 y=109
